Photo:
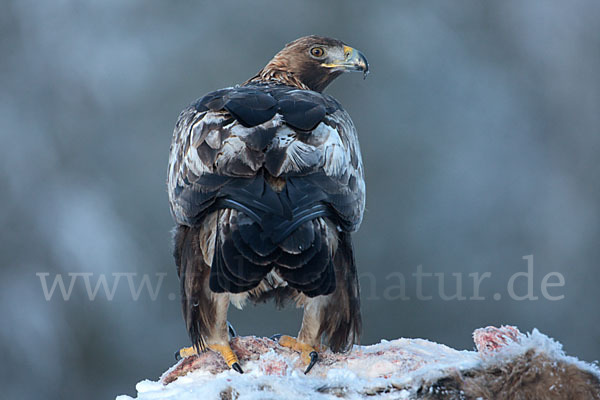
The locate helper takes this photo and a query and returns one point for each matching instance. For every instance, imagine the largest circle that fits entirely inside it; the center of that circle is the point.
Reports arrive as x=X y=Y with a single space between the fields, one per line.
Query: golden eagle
x=266 y=184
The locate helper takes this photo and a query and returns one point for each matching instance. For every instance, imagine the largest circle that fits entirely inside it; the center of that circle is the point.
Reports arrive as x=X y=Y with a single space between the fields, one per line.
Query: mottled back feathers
x=265 y=129
x=281 y=168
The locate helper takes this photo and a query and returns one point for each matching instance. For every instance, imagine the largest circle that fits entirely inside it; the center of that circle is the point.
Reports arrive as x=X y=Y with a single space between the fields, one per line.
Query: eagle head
x=313 y=62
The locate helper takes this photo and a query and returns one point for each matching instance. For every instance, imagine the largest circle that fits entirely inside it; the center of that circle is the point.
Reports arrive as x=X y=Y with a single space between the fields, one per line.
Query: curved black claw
x=314 y=357
x=276 y=337
x=232 y=332
x=177 y=355
x=236 y=367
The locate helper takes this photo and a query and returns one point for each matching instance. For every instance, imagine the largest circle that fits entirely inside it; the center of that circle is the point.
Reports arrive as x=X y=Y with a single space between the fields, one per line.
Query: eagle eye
x=317 y=52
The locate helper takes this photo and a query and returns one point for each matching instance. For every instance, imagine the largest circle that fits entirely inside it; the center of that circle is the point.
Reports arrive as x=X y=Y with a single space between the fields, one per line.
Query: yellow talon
x=308 y=353
x=187 y=352
x=303 y=348
x=226 y=352
x=223 y=349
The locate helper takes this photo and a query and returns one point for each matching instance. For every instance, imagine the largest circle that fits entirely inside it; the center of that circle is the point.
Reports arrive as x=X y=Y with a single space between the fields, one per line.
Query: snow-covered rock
x=506 y=365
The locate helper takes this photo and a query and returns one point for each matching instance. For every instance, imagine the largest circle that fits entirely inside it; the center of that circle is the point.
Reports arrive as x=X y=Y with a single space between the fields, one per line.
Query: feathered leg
x=308 y=343
x=218 y=338
x=205 y=312
x=335 y=316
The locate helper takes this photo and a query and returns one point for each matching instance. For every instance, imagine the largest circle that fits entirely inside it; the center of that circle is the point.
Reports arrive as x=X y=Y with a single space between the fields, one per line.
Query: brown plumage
x=291 y=66
x=266 y=184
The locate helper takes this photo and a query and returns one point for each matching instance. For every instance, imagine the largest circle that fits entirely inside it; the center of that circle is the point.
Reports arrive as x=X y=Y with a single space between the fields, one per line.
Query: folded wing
x=278 y=174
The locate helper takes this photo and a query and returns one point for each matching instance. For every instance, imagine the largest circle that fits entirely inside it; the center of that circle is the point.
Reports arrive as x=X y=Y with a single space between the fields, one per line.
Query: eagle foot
x=185 y=352
x=308 y=354
x=223 y=349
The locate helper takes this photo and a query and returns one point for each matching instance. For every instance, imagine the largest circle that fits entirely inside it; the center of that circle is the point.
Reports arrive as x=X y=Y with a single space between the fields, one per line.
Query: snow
x=390 y=369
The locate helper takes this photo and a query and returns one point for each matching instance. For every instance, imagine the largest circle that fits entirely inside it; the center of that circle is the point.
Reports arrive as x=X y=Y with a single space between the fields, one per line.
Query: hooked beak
x=353 y=60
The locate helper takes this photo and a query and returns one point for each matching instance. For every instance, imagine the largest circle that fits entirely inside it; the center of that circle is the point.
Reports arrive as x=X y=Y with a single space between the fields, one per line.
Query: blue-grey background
x=480 y=131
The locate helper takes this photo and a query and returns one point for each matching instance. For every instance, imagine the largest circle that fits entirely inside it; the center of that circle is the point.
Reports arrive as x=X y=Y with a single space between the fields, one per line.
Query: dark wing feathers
x=230 y=149
x=252 y=236
x=251 y=107
x=237 y=265
x=302 y=114
x=302 y=239
x=256 y=104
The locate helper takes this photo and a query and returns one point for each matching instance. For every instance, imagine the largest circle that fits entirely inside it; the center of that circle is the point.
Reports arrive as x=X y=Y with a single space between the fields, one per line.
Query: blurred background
x=480 y=131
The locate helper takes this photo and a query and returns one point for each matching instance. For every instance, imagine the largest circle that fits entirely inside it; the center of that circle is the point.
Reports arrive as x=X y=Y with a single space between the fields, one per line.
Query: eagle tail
x=245 y=253
x=341 y=322
x=242 y=256
x=311 y=271
x=197 y=305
